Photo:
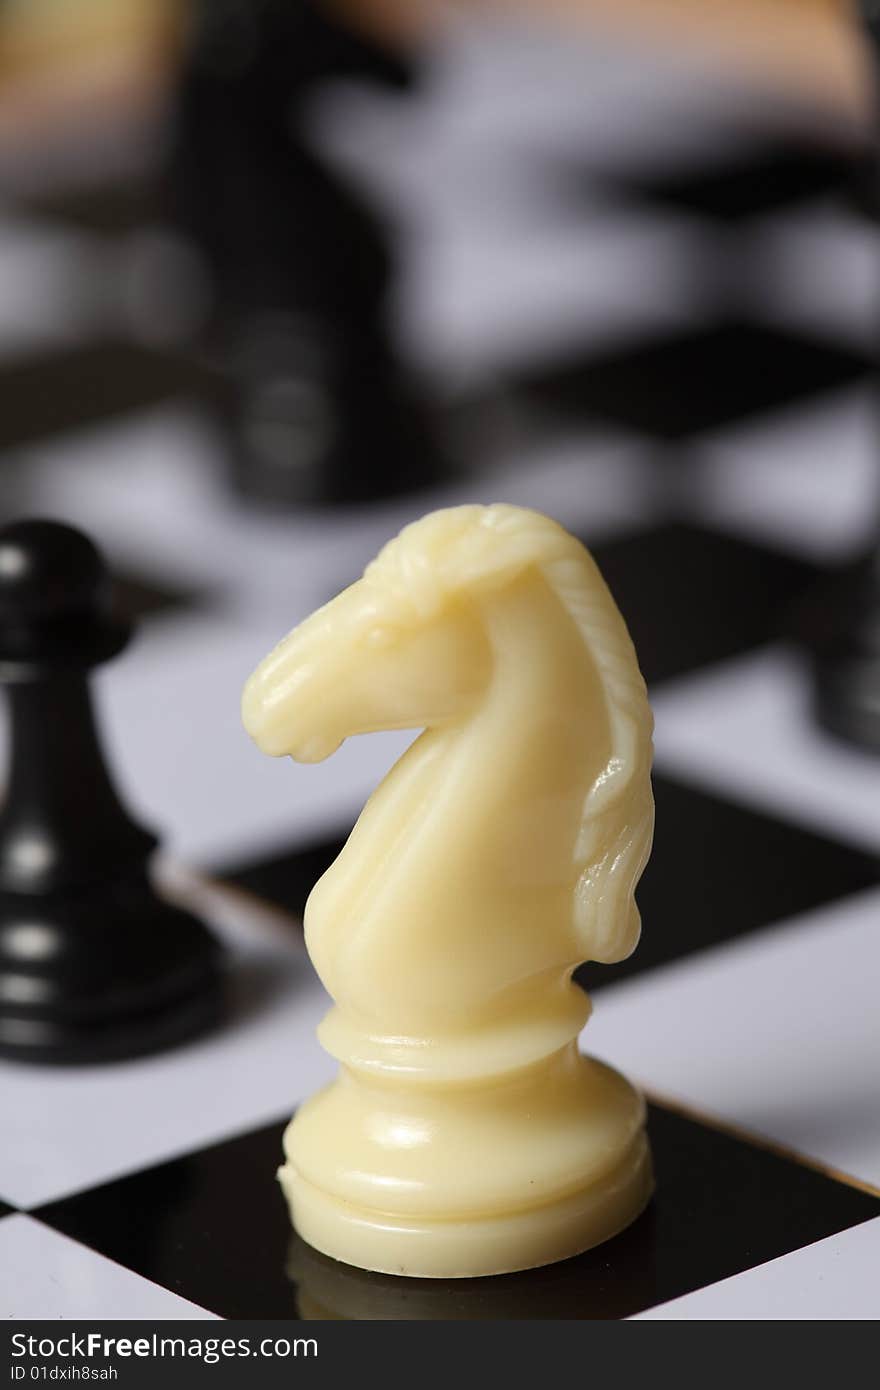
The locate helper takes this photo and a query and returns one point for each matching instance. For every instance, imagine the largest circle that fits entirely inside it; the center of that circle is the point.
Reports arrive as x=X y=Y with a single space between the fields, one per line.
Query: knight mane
x=483 y=548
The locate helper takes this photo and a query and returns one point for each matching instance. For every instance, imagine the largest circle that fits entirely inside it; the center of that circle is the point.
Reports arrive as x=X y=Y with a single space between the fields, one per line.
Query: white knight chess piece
x=466 y=1134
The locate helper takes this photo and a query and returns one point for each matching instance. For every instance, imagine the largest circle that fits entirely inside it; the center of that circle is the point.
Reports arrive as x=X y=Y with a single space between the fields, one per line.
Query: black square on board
x=695 y=894
x=676 y=387
x=212 y=1227
x=752 y=183
x=71 y=388
x=285 y=878
x=692 y=597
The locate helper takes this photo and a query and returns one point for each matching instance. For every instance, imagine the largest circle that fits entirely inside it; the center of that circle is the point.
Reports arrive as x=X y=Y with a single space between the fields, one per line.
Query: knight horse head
x=506 y=844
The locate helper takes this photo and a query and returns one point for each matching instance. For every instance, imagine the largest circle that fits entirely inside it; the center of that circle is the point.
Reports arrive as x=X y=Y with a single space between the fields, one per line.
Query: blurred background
x=278 y=275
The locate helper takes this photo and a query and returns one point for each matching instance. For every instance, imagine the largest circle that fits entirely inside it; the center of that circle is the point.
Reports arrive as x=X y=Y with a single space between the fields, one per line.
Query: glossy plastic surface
x=465 y=1134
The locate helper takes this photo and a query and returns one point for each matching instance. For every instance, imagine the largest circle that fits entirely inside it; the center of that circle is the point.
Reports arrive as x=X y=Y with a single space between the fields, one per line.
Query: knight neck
x=539 y=655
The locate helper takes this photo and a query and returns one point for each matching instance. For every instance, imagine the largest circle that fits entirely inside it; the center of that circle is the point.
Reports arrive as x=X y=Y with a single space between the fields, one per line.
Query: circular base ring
x=447 y=1248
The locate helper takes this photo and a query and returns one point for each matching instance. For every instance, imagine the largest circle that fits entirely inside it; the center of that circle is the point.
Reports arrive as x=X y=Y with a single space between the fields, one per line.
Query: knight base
x=535 y=1169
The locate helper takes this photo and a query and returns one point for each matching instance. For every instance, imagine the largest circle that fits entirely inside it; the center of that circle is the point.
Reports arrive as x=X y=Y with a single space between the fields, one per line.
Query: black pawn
x=93 y=964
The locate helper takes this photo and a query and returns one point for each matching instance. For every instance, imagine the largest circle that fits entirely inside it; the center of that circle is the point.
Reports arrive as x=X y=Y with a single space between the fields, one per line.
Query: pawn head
x=54 y=597
x=50 y=571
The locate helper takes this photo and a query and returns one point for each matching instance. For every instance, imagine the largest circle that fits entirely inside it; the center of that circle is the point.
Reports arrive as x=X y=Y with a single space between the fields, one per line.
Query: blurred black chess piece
x=845 y=621
x=94 y=964
x=317 y=406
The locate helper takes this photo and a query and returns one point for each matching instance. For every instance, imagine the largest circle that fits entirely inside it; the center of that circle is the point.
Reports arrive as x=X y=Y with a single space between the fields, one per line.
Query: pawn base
x=104 y=979
x=63 y=1042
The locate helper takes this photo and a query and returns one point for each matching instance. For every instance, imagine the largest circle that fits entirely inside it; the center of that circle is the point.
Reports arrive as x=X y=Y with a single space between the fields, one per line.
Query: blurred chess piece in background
x=317 y=405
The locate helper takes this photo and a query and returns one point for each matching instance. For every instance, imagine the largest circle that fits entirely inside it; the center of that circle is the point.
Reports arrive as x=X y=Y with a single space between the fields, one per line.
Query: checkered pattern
x=692 y=448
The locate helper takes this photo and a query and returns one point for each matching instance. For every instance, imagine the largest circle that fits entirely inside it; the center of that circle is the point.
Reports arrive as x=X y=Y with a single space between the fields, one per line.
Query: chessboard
x=648 y=303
